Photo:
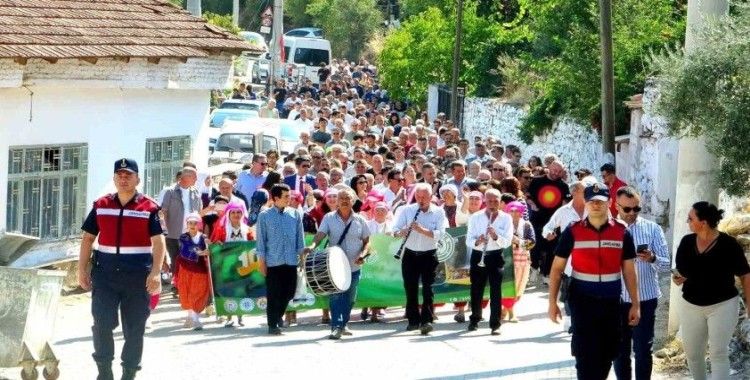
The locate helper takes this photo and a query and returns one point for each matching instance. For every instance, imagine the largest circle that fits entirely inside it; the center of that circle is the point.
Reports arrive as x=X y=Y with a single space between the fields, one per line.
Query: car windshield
x=297 y=33
x=240 y=106
x=311 y=57
x=269 y=143
x=291 y=131
x=236 y=142
x=218 y=119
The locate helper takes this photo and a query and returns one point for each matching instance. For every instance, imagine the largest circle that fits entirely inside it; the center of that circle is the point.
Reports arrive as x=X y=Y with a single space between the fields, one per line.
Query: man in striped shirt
x=652 y=258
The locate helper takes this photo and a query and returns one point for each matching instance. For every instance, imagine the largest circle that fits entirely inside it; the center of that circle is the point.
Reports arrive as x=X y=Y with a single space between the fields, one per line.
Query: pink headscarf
x=234 y=206
x=515 y=206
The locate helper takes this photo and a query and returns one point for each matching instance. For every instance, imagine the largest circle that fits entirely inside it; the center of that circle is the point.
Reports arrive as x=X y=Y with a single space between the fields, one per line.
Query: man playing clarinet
x=489 y=232
x=422 y=225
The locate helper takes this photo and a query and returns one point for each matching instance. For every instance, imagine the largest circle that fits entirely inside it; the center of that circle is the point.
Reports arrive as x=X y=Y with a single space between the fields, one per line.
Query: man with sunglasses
x=652 y=257
x=250 y=180
x=303 y=182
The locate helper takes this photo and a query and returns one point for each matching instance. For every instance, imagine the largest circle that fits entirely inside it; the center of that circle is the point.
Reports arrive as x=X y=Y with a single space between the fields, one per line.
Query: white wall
x=576 y=145
x=114 y=122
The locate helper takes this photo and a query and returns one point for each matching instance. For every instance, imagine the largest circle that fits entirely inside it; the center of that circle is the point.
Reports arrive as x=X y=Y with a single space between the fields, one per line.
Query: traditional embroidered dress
x=192 y=273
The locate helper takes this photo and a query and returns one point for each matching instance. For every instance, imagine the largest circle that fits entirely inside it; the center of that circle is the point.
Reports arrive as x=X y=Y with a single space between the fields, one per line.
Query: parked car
x=220 y=115
x=242 y=104
x=289 y=133
x=255 y=39
x=239 y=141
x=305 y=32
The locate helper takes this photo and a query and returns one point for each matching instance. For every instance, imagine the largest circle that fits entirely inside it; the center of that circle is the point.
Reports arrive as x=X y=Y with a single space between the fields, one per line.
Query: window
x=310 y=57
x=47 y=190
x=164 y=158
x=236 y=142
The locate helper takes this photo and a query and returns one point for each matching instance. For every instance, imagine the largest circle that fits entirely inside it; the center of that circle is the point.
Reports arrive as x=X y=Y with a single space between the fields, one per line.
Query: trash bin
x=28 y=308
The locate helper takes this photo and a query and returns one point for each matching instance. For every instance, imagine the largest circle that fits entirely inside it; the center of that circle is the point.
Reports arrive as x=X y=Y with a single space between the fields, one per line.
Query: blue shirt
x=248 y=182
x=647 y=232
x=279 y=236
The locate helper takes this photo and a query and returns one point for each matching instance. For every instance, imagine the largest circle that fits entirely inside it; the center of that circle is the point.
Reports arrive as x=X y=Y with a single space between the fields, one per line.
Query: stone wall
x=576 y=145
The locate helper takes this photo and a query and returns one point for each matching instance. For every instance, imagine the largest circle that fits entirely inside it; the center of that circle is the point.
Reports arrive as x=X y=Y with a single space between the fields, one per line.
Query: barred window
x=47 y=190
x=164 y=157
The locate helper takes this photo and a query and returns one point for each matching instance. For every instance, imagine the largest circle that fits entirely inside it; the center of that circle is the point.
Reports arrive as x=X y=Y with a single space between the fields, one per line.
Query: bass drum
x=328 y=271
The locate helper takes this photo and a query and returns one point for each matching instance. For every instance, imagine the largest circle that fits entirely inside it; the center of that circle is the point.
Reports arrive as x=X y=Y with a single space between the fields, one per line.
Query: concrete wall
x=114 y=123
x=577 y=146
x=112 y=106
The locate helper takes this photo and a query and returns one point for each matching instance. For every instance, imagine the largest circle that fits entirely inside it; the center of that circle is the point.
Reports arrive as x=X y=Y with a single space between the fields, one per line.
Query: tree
x=707 y=93
x=420 y=52
x=222 y=21
x=348 y=24
x=295 y=12
x=562 y=68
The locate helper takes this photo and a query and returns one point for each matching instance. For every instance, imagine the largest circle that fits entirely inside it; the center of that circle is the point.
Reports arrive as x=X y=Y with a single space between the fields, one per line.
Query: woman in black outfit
x=707 y=262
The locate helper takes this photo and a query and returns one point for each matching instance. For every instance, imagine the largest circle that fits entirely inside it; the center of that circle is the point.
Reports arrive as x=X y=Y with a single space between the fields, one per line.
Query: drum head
x=339 y=268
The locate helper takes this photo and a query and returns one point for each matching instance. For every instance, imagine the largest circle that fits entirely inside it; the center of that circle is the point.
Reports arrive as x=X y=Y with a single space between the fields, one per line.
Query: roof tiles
x=107 y=28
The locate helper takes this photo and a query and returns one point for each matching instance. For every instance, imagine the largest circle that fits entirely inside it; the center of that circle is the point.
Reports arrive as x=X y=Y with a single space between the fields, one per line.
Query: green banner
x=239 y=287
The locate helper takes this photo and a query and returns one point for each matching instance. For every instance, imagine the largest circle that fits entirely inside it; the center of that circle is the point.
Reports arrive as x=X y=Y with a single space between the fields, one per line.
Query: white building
x=84 y=83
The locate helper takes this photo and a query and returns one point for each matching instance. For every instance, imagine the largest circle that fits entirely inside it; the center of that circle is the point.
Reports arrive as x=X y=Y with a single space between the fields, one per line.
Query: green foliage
x=348 y=24
x=222 y=21
x=295 y=11
x=563 y=68
x=707 y=93
x=420 y=53
x=545 y=52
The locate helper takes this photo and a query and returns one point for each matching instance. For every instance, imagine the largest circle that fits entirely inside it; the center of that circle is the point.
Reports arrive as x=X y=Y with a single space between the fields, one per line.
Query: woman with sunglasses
x=707 y=262
x=358 y=183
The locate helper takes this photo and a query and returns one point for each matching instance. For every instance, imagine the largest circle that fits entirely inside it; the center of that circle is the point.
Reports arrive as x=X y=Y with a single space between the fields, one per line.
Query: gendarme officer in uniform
x=602 y=253
x=124 y=268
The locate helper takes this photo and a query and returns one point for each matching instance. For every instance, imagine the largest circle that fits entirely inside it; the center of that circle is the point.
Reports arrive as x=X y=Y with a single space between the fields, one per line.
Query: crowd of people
x=366 y=165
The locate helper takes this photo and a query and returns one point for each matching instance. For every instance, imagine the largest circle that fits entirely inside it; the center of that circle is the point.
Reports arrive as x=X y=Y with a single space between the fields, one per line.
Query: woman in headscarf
x=192 y=277
x=233 y=227
x=523 y=240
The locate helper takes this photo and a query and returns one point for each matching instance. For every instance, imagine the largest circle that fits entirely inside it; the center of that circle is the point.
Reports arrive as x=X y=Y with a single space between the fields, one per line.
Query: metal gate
x=444 y=103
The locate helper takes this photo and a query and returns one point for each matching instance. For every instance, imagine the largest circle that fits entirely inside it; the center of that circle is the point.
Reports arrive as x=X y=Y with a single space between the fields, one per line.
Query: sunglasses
x=263 y=163
x=362 y=183
x=627 y=210
x=498 y=170
x=306 y=166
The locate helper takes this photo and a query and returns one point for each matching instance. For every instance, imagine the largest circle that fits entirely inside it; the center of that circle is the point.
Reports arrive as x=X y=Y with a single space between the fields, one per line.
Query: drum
x=328 y=271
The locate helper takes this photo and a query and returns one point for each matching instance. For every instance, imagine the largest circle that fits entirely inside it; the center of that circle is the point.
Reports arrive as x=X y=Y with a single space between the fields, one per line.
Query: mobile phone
x=676 y=273
x=641 y=247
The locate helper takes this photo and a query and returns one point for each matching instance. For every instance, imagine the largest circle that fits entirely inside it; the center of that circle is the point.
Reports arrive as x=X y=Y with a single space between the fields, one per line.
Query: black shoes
x=412 y=327
x=495 y=331
x=473 y=326
x=128 y=373
x=425 y=328
x=274 y=331
x=105 y=371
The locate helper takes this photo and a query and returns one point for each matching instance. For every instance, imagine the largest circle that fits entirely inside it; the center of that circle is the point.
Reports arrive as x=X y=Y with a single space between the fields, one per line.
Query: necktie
x=302 y=186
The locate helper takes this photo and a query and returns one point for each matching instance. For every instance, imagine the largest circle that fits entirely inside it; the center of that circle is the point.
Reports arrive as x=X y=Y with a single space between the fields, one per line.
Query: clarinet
x=397 y=256
x=484 y=247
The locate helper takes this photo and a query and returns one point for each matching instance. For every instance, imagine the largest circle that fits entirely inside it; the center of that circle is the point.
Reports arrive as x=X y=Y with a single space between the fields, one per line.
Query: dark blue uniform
x=120 y=266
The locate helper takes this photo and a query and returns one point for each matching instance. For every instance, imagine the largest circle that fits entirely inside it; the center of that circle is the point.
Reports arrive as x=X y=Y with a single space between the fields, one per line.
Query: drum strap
x=343 y=235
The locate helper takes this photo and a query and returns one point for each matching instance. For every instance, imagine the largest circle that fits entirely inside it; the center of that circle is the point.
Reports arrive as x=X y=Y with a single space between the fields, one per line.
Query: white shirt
x=562 y=218
x=478 y=224
x=433 y=219
x=389 y=196
x=185 y=205
x=380 y=228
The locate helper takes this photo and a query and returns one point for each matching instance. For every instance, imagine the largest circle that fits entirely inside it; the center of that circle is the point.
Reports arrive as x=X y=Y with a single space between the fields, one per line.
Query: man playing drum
x=350 y=231
x=280 y=242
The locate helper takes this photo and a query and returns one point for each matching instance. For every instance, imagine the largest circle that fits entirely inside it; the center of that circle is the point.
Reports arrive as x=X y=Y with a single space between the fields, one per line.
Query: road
x=534 y=348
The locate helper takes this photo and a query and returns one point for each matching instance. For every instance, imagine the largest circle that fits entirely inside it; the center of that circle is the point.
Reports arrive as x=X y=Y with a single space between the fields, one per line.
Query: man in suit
x=302 y=178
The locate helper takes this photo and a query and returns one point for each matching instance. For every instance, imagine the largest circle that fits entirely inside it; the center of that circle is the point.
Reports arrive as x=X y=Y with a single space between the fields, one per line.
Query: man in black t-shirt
x=546 y=195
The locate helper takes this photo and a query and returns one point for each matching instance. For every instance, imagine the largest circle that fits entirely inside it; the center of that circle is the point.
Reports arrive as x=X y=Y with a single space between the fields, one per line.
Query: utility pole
x=608 y=78
x=456 y=60
x=194 y=7
x=236 y=13
x=276 y=46
x=695 y=166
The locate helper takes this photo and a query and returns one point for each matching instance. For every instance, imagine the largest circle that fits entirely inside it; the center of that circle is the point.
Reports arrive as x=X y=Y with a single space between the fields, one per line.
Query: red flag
x=281 y=44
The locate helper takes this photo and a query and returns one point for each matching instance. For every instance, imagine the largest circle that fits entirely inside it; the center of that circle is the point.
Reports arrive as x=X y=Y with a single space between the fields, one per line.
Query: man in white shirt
x=489 y=232
x=394 y=187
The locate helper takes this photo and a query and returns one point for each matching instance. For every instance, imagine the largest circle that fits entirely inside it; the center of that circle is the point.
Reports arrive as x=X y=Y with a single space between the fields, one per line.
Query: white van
x=239 y=141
